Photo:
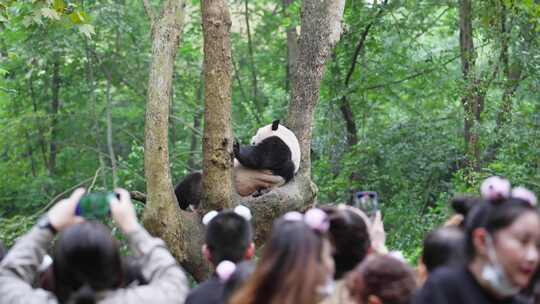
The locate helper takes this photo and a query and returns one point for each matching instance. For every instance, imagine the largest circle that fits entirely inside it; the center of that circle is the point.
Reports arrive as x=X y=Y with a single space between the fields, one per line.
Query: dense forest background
x=420 y=100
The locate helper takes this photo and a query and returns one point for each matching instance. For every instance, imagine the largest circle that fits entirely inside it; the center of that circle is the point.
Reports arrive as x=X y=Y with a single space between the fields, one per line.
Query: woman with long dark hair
x=86 y=262
x=296 y=264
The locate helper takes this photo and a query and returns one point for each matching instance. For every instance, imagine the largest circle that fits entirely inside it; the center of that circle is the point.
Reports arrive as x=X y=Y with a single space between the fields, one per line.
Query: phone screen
x=367 y=201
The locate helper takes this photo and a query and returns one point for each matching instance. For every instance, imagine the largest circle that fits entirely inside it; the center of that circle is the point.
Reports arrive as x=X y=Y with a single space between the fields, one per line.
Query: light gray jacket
x=166 y=281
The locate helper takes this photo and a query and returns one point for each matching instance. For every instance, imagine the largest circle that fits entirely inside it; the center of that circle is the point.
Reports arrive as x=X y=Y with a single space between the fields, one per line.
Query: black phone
x=367 y=201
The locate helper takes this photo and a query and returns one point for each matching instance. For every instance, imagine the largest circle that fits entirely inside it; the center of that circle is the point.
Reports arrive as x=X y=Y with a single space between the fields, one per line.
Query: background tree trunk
x=55 y=107
x=110 y=142
x=217 y=137
x=292 y=46
x=472 y=101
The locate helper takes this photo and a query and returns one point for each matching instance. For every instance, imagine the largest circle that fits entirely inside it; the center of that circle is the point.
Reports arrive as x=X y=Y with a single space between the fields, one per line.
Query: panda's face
x=262 y=134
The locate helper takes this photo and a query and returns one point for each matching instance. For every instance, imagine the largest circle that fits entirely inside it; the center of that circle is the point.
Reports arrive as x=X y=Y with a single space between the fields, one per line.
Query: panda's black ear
x=275 y=125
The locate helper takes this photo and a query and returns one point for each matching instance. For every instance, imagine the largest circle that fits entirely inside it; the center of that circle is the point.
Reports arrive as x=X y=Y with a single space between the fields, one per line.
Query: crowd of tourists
x=487 y=252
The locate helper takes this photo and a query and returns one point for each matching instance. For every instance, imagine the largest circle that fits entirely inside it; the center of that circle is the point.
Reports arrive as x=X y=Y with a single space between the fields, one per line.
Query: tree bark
x=472 y=101
x=217 y=137
x=93 y=100
x=196 y=125
x=292 y=46
x=41 y=136
x=254 y=88
x=110 y=143
x=321 y=29
x=181 y=231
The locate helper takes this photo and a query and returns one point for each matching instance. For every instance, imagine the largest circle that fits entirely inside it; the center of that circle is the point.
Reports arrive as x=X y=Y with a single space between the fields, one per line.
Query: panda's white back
x=284 y=134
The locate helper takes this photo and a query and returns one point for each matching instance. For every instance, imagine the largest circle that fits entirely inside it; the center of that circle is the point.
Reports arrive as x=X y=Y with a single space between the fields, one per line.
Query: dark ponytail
x=85 y=295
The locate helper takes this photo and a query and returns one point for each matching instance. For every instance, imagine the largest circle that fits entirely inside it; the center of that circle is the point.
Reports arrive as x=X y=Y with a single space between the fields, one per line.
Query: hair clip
x=525 y=194
x=243 y=211
x=225 y=269
x=209 y=216
x=495 y=188
x=293 y=216
x=315 y=218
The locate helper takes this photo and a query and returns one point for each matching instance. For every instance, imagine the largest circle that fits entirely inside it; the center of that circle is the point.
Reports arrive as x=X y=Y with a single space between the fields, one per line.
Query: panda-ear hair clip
x=243 y=211
x=209 y=217
x=315 y=218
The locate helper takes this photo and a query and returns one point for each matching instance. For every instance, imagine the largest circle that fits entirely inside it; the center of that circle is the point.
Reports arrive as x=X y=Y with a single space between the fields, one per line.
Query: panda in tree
x=272 y=159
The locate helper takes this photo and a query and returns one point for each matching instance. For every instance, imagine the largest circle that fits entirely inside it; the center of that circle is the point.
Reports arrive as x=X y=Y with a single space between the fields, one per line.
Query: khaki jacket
x=166 y=281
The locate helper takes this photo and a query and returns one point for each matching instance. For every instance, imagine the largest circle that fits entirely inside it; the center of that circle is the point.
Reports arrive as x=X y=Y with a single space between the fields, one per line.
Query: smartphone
x=368 y=202
x=95 y=206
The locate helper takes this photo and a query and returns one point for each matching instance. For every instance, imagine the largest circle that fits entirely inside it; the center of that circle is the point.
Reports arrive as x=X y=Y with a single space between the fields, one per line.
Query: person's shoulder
x=207 y=292
x=447 y=273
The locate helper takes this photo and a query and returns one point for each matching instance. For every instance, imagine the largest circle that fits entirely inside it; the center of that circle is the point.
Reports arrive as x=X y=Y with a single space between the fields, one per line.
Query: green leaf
x=78 y=17
x=87 y=30
x=59 y=6
x=50 y=13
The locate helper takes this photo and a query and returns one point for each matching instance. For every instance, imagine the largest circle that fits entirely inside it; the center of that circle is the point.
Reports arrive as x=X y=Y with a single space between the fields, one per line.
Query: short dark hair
x=228 y=236
x=443 y=246
x=493 y=217
x=350 y=236
x=86 y=259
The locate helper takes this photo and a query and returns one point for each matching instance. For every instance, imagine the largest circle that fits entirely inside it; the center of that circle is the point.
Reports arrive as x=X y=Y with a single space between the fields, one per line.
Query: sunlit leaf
x=50 y=13
x=87 y=30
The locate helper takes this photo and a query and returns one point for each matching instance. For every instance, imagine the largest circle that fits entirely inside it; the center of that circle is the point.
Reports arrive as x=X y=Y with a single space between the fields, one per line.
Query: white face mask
x=494 y=275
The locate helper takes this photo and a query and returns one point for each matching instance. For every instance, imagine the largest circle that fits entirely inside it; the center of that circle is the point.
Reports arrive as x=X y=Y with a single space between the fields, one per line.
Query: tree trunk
x=93 y=100
x=472 y=101
x=254 y=88
x=292 y=46
x=217 y=137
x=196 y=125
x=321 y=29
x=41 y=136
x=31 y=154
x=110 y=143
x=55 y=106
x=181 y=231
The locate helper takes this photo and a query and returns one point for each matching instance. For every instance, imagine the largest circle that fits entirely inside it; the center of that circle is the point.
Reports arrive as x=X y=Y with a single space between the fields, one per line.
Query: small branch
x=361 y=42
x=149 y=11
x=94 y=179
x=138 y=196
x=52 y=201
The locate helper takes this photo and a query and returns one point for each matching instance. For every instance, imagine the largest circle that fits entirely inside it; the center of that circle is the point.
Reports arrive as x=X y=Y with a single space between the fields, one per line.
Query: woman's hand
x=62 y=214
x=123 y=212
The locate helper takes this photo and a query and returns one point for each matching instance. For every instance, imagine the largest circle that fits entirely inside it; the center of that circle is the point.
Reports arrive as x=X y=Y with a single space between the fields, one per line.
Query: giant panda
x=271 y=160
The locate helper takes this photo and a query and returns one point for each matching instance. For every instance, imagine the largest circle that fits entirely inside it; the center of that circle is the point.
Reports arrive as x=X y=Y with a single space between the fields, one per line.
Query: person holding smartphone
x=86 y=261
